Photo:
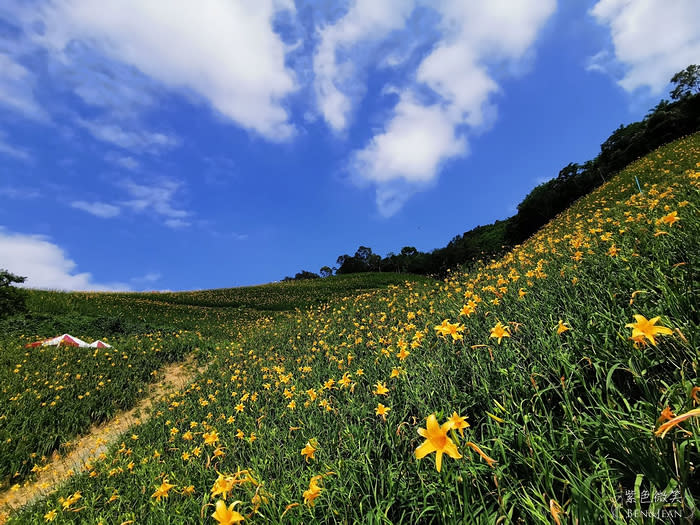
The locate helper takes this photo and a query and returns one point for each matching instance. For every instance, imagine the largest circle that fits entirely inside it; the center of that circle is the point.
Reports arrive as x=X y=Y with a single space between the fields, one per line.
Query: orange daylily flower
x=561 y=327
x=162 y=491
x=666 y=414
x=499 y=331
x=382 y=411
x=436 y=440
x=646 y=328
x=313 y=492
x=458 y=422
x=308 y=451
x=226 y=515
x=663 y=429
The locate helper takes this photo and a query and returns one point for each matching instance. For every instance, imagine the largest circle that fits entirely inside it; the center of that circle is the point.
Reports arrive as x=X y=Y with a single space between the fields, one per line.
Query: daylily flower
x=446 y=328
x=499 y=331
x=162 y=491
x=670 y=219
x=436 y=440
x=226 y=515
x=381 y=410
x=646 y=328
x=666 y=414
x=663 y=429
x=561 y=327
x=555 y=510
x=223 y=485
x=308 y=451
x=313 y=492
x=380 y=389
x=210 y=437
x=458 y=422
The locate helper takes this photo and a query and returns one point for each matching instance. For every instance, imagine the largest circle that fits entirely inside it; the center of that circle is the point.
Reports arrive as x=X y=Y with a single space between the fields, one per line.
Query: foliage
x=364 y=260
x=302 y=275
x=12 y=299
x=687 y=82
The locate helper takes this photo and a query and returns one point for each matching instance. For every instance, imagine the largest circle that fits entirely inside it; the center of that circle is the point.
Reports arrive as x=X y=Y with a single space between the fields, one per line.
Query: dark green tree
x=12 y=299
x=325 y=271
x=687 y=82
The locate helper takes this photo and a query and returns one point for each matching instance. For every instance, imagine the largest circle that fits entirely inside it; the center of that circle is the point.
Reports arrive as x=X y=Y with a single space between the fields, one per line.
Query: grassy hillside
x=49 y=395
x=548 y=385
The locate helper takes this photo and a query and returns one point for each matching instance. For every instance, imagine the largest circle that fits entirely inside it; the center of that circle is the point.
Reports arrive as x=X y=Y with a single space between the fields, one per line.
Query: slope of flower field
x=558 y=384
x=49 y=395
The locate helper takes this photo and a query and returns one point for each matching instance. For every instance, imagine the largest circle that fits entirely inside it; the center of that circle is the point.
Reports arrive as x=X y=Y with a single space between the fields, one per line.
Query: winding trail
x=87 y=448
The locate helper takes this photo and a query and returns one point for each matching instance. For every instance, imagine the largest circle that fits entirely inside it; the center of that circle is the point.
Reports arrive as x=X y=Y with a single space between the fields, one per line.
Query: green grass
x=45 y=406
x=570 y=418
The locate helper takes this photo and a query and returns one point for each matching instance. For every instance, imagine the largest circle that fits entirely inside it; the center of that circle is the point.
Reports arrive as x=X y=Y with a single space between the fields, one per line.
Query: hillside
x=149 y=330
x=548 y=384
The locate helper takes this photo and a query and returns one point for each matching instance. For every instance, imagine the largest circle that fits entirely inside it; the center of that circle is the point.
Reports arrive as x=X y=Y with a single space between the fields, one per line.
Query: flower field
x=558 y=384
x=67 y=389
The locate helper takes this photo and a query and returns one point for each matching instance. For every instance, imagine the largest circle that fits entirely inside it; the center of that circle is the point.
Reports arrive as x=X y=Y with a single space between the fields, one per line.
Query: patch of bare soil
x=87 y=449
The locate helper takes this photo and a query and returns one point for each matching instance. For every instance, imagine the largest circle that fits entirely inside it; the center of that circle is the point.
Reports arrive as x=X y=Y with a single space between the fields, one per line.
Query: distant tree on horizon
x=12 y=299
x=687 y=82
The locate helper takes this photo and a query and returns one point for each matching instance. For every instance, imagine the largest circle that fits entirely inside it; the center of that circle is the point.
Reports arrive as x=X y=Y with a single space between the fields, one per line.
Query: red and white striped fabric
x=65 y=339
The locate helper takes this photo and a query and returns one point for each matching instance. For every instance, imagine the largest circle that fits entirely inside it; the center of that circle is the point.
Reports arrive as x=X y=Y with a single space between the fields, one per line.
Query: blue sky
x=187 y=145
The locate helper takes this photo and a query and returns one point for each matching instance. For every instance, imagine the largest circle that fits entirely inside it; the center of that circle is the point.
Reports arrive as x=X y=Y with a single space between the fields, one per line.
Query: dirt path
x=88 y=447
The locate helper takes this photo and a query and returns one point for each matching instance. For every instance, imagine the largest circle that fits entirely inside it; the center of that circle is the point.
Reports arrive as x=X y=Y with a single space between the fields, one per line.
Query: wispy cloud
x=230 y=235
x=156 y=199
x=176 y=224
x=19 y=193
x=124 y=161
x=148 y=278
x=17 y=85
x=14 y=151
x=651 y=40
x=98 y=209
x=339 y=83
x=138 y=140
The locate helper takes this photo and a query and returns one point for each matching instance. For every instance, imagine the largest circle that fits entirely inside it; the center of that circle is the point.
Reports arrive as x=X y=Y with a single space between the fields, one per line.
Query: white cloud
x=98 y=209
x=17 y=85
x=224 y=52
x=127 y=162
x=13 y=151
x=156 y=199
x=45 y=264
x=176 y=224
x=19 y=193
x=414 y=144
x=366 y=21
x=652 y=39
x=140 y=141
x=424 y=132
x=121 y=90
x=150 y=277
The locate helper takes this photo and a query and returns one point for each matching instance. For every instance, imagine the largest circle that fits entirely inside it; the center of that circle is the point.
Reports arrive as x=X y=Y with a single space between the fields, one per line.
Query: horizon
x=144 y=149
